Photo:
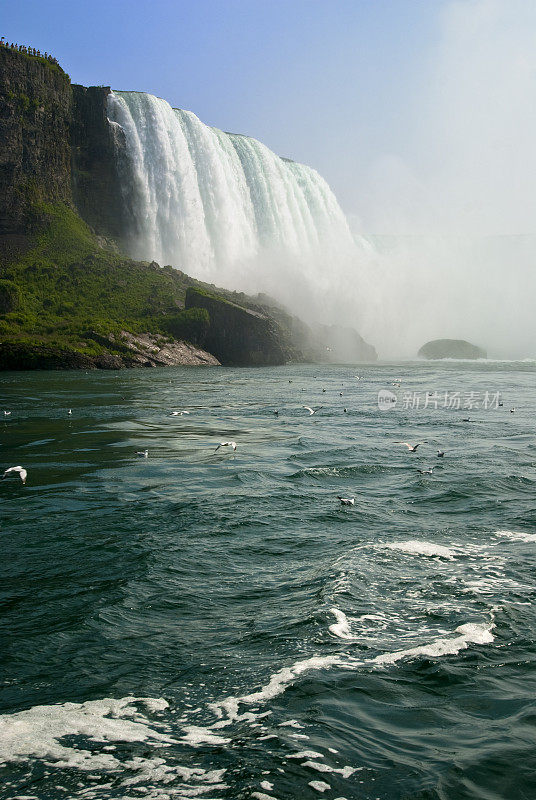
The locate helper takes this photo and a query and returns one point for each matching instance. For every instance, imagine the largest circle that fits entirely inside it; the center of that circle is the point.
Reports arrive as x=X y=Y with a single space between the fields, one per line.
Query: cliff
x=35 y=149
x=96 y=189
x=239 y=336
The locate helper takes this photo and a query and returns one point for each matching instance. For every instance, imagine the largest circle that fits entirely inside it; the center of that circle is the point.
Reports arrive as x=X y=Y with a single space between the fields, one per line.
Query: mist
x=452 y=218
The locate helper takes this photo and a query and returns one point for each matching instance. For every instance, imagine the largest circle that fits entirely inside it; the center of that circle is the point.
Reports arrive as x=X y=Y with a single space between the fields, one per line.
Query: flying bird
x=346 y=501
x=312 y=410
x=226 y=444
x=14 y=472
x=411 y=447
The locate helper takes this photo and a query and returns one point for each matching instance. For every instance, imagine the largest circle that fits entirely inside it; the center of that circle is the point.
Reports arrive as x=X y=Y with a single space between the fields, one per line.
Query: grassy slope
x=69 y=287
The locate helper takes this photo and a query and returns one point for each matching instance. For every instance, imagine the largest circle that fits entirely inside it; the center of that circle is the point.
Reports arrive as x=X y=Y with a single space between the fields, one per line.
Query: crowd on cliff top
x=30 y=51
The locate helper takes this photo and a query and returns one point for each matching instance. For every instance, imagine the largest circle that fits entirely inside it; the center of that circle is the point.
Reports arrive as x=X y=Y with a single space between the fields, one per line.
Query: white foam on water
x=305 y=754
x=517 y=536
x=196 y=735
x=263 y=796
x=417 y=548
x=37 y=732
x=319 y=786
x=275 y=686
x=341 y=628
x=344 y=771
x=291 y=723
x=267 y=786
x=470 y=633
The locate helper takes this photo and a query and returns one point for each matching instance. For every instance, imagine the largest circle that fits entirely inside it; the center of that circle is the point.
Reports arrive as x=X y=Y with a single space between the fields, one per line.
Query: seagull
x=7 y=413
x=512 y=411
x=69 y=412
x=312 y=410
x=501 y=404
x=276 y=412
x=178 y=413
x=142 y=453
x=346 y=501
x=13 y=472
x=226 y=444
x=412 y=448
x=440 y=453
x=426 y=471
x=345 y=410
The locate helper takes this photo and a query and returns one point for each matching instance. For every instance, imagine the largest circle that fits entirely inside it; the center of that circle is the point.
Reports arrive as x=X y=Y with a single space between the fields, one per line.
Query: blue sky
x=363 y=90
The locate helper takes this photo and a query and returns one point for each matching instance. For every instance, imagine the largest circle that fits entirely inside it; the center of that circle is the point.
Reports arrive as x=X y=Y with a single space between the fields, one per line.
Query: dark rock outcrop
x=238 y=336
x=35 y=151
x=451 y=348
x=95 y=143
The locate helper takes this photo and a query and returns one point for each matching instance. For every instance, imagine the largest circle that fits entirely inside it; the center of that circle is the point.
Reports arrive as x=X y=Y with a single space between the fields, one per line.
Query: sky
x=390 y=100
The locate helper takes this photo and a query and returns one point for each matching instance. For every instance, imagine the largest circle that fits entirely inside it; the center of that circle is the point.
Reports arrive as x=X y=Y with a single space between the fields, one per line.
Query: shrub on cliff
x=192 y=324
x=9 y=296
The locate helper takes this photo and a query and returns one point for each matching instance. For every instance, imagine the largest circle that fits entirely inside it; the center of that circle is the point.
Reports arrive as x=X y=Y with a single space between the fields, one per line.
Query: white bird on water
x=70 y=412
x=142 y=453
x=7 y=413
x=346 y=501
x=440 y=453
x=411 y=447
x=178 y=413
x=226 y=444
x=426 y=471
x=312 y=410
x=15 y=472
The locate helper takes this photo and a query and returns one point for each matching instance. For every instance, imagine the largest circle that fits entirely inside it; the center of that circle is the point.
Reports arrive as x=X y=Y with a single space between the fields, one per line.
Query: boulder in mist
x=451 y=348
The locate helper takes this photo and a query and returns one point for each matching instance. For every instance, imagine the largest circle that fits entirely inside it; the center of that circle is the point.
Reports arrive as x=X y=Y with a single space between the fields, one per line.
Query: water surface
x=216 y=625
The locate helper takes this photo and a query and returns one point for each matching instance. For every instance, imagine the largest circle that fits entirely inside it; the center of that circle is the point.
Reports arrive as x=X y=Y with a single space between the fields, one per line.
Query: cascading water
x=225 y=209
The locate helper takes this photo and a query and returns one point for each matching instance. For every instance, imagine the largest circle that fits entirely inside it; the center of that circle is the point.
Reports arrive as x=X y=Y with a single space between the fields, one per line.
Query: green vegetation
x=192 y=324
x=64 y=290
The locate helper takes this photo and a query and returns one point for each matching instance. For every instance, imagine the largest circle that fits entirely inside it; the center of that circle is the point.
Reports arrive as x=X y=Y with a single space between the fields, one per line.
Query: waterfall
x=225 y=209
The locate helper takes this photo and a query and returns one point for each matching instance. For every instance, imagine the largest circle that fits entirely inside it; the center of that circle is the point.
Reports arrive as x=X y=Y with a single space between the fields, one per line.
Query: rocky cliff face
x=57 y=145
x=35 y=150
x=238 y=336
x=94 y=145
